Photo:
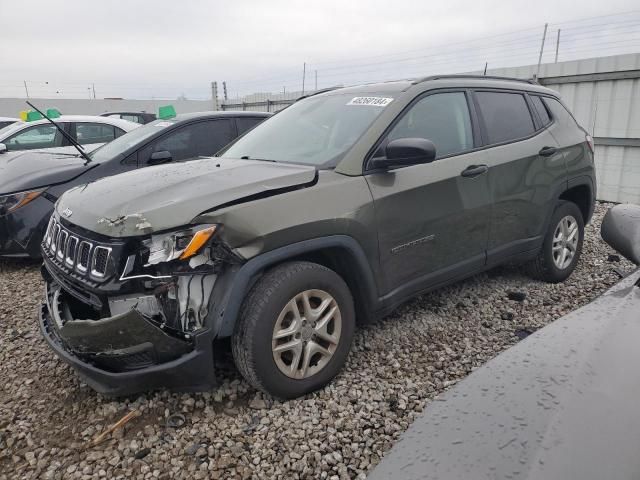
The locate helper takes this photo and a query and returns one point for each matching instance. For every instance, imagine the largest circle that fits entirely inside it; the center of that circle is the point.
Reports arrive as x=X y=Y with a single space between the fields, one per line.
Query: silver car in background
x=88 y=130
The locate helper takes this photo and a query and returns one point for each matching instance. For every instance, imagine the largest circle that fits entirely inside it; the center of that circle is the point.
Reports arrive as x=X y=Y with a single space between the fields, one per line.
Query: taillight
x=589 y=140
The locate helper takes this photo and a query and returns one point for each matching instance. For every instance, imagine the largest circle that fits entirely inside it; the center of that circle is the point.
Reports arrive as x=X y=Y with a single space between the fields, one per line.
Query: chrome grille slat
x=81 y=255
x=62 y=244
x=70 y=256
x=99 y=261
x=84 y=256
x=54 y=238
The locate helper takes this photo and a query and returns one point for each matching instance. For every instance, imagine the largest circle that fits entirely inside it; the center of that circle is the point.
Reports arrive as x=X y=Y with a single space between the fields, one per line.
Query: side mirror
x=3 y=148
x=406 y=151
x=163 y=156
x=621 y=229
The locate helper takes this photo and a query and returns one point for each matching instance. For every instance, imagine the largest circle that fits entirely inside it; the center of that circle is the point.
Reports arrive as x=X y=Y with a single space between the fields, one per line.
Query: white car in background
x=88 y=130
x=5 y=121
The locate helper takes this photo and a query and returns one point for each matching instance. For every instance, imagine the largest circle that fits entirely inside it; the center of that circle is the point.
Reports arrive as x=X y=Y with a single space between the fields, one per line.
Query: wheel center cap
x=307 y=332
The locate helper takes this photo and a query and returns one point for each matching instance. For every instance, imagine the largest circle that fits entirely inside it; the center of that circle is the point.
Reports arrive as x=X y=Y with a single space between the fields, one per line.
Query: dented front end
x=133 y=313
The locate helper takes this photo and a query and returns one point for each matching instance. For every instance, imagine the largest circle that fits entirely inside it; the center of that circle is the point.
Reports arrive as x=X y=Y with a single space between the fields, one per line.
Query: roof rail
x=318 y=92
x=477 y=77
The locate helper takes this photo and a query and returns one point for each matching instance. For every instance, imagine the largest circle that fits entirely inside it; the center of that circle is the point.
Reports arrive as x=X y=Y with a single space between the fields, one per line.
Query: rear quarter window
x=560 y=113
x=541 y=110
x=506 y=116
x=245 y=124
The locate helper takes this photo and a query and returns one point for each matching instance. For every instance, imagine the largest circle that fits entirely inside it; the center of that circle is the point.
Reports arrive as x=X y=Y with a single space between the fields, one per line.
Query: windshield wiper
x=247 y=157
x=71 y=140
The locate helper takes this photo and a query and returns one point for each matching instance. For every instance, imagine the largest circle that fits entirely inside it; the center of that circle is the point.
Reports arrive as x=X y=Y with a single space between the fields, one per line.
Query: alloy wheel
x=306 y=334
x=565 y=242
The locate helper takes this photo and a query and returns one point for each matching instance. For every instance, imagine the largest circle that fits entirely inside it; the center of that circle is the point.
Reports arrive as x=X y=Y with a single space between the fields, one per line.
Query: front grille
x=76 y=253
x=100 y=258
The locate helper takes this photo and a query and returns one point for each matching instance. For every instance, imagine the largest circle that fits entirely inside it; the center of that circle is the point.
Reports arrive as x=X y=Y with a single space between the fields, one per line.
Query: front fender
x=233 y=286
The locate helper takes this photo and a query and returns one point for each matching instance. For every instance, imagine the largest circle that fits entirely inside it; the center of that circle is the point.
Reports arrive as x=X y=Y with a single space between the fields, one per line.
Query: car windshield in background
x=315 y=131
x=128 y=140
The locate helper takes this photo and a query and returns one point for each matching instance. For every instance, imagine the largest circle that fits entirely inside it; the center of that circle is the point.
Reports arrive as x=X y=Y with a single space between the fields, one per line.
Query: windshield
x=315 y=131
x=128 y=140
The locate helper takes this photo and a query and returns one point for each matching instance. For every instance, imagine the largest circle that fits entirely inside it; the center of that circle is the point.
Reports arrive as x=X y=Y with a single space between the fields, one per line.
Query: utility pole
x=557 y=45
x=485 y=68
x=544 y=35
x=284 y=90
x=25 y=88
x=304 y=75
x=93 y=87
x=316 y=72
x=224 y=90
x=214 y=95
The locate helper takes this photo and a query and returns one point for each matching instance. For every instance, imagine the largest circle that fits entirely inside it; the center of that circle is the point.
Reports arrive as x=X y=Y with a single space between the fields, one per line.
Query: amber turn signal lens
x=197 y=242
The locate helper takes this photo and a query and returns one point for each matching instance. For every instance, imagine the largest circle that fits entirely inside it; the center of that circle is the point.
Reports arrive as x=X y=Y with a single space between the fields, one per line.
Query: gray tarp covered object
x=562 y=404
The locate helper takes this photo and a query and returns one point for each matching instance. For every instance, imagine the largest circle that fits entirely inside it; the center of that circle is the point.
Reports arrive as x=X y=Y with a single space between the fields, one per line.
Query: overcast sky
x=167 y=47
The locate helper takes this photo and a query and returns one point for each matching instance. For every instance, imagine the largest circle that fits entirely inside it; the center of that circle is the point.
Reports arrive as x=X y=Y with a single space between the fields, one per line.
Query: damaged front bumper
x=126 y=353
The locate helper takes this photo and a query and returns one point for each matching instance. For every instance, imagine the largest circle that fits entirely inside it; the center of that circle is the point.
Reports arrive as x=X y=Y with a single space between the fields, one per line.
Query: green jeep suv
x=337 y=209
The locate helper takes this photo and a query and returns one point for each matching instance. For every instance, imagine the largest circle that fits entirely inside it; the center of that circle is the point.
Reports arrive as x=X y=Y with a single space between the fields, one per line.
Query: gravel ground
x=47 y=416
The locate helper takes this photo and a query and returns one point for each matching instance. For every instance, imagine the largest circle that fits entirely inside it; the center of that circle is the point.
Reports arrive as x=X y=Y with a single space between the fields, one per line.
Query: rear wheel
x=295 y=329
x=562 y=245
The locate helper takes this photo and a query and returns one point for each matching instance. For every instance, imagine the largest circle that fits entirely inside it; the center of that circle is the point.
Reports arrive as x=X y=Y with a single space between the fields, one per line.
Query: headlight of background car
x=181 y=245
x=10 y=203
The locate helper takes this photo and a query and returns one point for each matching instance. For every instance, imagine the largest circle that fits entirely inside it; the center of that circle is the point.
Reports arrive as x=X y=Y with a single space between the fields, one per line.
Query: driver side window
x=442 y=118
x=38 y=136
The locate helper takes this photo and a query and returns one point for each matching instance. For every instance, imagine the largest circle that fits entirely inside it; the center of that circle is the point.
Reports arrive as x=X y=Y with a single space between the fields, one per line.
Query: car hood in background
x=563 y=403
x=166 y=196
x=28 y=170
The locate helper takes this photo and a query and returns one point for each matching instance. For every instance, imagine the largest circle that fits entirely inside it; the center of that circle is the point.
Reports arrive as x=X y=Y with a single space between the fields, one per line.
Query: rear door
x=525 y=169
x=433 y=219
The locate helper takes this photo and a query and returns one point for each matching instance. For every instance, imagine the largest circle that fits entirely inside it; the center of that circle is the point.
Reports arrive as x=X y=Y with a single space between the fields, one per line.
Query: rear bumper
x=125 y=371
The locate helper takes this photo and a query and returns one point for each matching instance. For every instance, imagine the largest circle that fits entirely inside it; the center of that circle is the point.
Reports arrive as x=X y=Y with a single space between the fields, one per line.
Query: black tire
x=251 y=342
x=543 y=267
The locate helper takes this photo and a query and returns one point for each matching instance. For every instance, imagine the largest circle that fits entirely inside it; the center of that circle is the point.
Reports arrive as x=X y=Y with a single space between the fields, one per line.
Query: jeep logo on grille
x=67 y=212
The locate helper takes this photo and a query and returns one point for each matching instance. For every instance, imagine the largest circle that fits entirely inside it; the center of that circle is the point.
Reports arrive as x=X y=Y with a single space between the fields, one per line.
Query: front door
x=433 y=219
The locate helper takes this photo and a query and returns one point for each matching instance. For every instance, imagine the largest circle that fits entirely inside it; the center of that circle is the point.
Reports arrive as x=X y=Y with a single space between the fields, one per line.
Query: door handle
x=547 y=151
x=474 y=170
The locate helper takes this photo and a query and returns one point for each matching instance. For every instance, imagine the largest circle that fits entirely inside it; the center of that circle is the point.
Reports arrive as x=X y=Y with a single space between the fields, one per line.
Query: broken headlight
x=10 y=203
x=178 y=245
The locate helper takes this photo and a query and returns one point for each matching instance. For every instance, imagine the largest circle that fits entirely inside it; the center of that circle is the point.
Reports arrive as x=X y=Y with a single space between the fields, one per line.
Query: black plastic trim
x=250 y=271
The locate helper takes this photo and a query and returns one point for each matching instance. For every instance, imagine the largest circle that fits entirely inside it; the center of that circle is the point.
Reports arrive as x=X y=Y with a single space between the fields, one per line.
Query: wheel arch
x=581 y=192
x=341 y=253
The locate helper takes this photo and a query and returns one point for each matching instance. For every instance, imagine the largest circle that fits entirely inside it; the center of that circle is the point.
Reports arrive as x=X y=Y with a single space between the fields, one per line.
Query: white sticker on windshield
x=371 y=101
x=163 y=124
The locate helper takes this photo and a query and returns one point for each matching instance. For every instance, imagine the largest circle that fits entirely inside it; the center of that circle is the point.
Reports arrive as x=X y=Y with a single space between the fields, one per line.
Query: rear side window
x=442 y=118
x=132 y=118
x=506 y=116
x=245 y=124
x=87 y=133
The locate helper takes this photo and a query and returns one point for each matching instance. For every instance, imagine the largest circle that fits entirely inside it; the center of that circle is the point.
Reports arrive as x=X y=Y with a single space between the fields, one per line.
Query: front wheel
x=562 y=245
x=295 y=329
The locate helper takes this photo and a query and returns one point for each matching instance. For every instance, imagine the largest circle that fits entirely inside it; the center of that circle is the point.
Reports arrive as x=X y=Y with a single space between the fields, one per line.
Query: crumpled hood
x=20 y=171
x=166 y=196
